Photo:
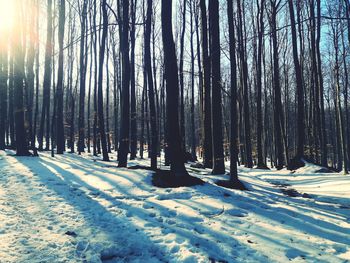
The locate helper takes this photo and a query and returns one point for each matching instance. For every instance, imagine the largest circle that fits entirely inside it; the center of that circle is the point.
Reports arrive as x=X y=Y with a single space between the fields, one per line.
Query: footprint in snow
x=236 y=212
x=171 y=213
x=147 y=206
x=152 y=214
x=128 y=214
x=294 y=253
x=170 y=221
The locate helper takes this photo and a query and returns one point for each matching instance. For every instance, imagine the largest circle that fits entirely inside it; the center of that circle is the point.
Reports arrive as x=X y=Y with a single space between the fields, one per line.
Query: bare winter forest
x=218 y=129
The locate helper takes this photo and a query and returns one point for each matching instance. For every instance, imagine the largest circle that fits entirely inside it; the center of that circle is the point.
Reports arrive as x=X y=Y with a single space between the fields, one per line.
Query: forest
x=153 y=104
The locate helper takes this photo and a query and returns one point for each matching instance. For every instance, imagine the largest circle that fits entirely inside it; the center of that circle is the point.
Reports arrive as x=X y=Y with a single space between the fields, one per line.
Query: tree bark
x=172 y=93
x=207 y=146
x=125 y=102
x=59 y=89
x=100 y=80
x=218 y=152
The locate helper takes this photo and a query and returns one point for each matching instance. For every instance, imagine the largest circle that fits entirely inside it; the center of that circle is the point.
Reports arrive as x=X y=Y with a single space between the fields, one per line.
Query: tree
x=3 y=91
x=100 y=80
x=45 y=112
x=233 y=97
x=299 y=91
x=218 y=152
x=59 y=89
x=278 y=110
x=21 y=138
x=181 y=75
x=81 y=124
x=244 y=84
x=133 y=115
x=207 y=134
x=148 y=64
x=172 y=93
x=193 y=126
x=261 y=7
x=125 y=99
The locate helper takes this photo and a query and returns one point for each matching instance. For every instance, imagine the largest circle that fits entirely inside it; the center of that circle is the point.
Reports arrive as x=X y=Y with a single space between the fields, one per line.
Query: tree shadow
x=135 y=204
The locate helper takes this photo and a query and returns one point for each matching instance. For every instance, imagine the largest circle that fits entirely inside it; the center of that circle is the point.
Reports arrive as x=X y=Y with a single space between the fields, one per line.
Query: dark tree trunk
x=172 y=93
x=107 y=104
x=59 y=89
x=115 y=96
x=200 y=79
x=30 y=77
x=95 y=114
x=133 y=116
x=101 y=121
x=339 y=113
x=193 y=126
x=299 y=90
x=125 y=99
x=207 y=146
x=278 y=110
x=45 y=113
x=37 y=70
x=324 y=151
x=244 y=80
x=11 y=114
x=181 y=75
x=82 y=82
x=152 y=106
x=21 y=138
x=3 y=93
x=218 y=152
x=259 y=111
x=233 y=98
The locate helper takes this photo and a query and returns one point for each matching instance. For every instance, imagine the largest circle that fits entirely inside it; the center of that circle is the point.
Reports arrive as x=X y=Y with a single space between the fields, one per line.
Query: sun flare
x=7 y=13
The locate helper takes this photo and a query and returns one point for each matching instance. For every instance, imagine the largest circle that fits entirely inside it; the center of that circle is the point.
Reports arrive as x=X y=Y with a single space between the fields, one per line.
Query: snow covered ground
x=78 y=209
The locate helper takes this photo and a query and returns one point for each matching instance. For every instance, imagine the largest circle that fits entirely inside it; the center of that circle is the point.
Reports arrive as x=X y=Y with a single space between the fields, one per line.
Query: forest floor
x=78 y=209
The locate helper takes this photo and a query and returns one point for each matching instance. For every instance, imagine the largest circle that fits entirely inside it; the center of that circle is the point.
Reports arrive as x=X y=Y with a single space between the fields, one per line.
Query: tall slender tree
x=172 y=93
x=59 y=89
x=233 y=98
x=45 y=112
x=82 y=75
x=299 y=91
x=152 y=106
x=101 y=121
x=19 y=74
x=207 y=146
x=125 y=99
x=133 y=115
x=218 y=152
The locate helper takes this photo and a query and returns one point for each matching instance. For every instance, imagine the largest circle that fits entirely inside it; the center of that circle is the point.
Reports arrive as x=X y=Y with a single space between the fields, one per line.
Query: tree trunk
x=218 y=152
x=125 y=99
x=45 y=113
x=59 y=89
x=181 y=75
x=21 y=138
x=278 y=110
x=152 y=106
x=100 y=80
x=233 y=98
x=207 y=146
x=133 y=116
x=259 y=112
x=299 y=90
x=82 y=82
x=193 y=126
x=172 y=93
x=244 y=77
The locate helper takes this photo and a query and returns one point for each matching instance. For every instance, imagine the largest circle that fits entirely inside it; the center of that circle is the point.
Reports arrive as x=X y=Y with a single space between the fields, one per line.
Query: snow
x=74 y=208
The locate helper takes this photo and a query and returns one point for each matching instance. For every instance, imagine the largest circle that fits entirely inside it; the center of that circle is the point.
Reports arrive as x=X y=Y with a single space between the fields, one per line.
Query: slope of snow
x=78 y=209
